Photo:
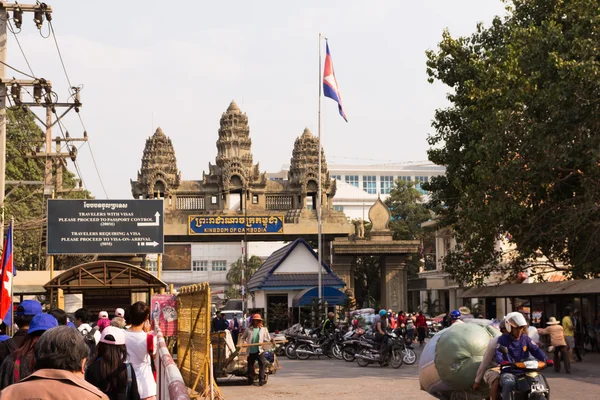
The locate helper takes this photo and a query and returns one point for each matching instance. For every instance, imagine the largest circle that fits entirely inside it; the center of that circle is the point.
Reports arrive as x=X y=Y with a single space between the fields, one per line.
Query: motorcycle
x=369 y=352
x=350 y=345
x=310 y=347
x=409 y=357
x=531 y=384
x=292 y=338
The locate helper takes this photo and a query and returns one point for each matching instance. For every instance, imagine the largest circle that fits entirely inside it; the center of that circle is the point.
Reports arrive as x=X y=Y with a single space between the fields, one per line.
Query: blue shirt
x=518 y=350
x=4 y=337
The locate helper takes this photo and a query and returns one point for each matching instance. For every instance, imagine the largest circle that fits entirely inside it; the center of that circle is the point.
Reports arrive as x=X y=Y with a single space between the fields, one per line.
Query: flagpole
x=12 y=314
x=320 y=279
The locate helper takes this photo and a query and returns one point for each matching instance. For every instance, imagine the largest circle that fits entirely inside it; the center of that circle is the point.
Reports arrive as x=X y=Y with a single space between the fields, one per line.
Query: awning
x=332 y=296
x=584 y=286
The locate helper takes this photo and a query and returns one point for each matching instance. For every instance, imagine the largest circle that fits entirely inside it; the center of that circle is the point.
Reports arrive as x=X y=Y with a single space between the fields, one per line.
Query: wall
x=299 y=261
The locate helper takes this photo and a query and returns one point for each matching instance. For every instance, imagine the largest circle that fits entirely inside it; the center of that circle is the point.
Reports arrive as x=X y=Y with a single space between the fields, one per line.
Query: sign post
x=105 y=226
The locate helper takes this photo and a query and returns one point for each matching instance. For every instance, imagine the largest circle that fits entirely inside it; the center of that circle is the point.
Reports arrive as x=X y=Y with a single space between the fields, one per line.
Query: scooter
x=531 y=384
x=309 y=347
x=351 y=344
x=369 y=352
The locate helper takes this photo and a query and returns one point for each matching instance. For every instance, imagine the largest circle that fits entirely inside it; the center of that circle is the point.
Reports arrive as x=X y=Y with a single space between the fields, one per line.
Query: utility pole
x=43 y=97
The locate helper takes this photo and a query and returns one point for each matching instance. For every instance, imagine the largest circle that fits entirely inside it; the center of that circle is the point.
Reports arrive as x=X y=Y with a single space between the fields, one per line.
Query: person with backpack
x=82 y=322
x=25 y=313
x=140 y=349
x=110 y=372
x=21 y=363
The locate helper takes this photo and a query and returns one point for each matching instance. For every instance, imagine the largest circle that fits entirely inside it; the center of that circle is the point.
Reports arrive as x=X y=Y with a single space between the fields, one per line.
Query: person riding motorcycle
x=455 y=317
x=328 y=326
x=380 y=330
x=519 y=346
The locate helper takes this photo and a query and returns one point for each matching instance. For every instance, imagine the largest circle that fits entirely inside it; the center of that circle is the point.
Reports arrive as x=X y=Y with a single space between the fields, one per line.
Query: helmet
x=455 y=314
x=382 y=313
x=355 y=323
x=515 y=319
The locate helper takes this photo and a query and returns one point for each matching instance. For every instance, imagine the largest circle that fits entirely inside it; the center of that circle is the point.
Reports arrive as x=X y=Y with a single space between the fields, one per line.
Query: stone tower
x=158 y=175
x=304 y=169
x=234 y=167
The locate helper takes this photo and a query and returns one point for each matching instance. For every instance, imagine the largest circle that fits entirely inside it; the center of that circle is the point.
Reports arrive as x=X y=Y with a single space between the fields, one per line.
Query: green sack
x=459 y=352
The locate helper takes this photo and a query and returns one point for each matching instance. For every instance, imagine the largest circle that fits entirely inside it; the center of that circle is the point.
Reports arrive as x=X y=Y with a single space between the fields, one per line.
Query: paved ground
x=334 y=379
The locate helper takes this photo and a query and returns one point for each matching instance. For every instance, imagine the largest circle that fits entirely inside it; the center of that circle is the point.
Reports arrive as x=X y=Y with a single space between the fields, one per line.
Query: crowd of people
x=51 y=357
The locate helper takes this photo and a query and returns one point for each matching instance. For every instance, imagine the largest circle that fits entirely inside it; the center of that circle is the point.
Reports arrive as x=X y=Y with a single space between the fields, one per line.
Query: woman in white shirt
x=139 y=353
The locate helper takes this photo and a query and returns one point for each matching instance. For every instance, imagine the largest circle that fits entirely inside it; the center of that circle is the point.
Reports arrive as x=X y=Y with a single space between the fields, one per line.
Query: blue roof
x=264 y=278
x=331 y=296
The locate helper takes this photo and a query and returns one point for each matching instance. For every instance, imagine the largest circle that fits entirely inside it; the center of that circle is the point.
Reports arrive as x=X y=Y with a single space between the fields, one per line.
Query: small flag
x=330 y=86
x=8 y=272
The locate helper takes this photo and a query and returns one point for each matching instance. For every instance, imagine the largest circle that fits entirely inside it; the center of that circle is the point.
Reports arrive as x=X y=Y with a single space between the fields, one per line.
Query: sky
x=145 y=64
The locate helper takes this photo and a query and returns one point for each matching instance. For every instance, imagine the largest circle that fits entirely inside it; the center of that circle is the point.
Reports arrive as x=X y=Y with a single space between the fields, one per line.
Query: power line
x=59 y=53
x=21 y=48
x=93 y=158
x=17 y=70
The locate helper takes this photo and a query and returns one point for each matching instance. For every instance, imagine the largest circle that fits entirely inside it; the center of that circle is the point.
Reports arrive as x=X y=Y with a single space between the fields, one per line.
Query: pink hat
x=119 y=312
x=103 y=315
x=118 y=336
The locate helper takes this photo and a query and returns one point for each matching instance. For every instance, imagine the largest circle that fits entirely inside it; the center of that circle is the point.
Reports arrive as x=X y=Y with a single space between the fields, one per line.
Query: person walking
x=421 y=324
x=257 y=333
x=139 y=353
x=60 y=355
x=21 y=363
x=110 y=372
x=567 y=324
x=578 y=334
x=557 y=340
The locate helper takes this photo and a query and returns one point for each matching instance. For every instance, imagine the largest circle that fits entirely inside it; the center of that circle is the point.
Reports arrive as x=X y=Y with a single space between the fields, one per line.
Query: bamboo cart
x=236 y=363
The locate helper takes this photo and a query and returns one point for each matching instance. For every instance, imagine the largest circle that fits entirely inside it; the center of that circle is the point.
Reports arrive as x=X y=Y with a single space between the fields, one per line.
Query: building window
x=338 y=208
x=352 y=180
x=219 y=265
x=254 y=199
x=420 y=180
x=198 y=265
x=386 y=184
x=338 y=177
x=152 y=265
x=370 y=184
x=213 y=199
x=405 y=178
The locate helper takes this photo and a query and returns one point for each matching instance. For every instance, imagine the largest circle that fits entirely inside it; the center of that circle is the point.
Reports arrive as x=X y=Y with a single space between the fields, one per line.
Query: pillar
x=394 y=294
x=342 y=266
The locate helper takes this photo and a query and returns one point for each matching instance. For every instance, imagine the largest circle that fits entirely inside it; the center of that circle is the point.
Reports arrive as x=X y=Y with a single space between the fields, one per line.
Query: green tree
x=234 y=275
x=26 y=203
x=519 y=141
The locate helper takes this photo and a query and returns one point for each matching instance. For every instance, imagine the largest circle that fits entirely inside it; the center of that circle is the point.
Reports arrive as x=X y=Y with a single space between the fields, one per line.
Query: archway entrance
x=105 y=285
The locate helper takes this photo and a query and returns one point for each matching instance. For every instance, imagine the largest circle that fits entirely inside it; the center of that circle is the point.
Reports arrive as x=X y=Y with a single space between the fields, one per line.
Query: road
x=334 y=379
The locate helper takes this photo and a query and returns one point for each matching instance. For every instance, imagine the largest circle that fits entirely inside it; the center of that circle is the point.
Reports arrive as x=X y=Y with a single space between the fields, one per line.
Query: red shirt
x=401 y=320
x=421 y=321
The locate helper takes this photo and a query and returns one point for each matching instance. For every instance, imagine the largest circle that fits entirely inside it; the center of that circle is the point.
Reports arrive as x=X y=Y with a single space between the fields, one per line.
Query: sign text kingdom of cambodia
x=222 y=224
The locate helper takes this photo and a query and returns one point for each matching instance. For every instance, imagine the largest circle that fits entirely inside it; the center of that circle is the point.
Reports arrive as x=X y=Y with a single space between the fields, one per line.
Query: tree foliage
x=234 y=275
x=520 y=141
x=26 y=203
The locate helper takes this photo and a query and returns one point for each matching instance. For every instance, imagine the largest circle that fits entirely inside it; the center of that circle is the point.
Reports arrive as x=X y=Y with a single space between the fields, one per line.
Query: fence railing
x=170 y=384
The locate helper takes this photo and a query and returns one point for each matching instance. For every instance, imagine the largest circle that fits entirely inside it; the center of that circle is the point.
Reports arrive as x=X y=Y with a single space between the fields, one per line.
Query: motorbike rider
x=488 y=370
x=519 y=346
x=328 y=326
x=380 y=330
x=455 y=317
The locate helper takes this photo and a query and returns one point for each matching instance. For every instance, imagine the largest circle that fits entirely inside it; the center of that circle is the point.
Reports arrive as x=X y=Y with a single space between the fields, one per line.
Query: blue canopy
x=332 y=296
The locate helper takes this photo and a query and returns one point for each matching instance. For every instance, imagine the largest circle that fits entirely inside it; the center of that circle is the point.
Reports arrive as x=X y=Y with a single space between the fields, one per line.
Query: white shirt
x=137 y=355
x=88 y=328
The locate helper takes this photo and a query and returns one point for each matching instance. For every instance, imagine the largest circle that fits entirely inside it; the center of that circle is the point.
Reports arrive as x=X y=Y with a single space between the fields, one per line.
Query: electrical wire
x=59 y=53
x=21 y=48
x=93 y=158
x=17 y=70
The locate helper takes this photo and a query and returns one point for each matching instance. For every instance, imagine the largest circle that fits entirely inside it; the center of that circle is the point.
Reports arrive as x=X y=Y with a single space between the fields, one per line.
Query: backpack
x=88 y=338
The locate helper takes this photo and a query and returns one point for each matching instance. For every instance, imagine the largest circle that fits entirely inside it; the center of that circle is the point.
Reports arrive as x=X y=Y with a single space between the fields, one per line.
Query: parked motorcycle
x=369 y=352
x=409 y=357
x=311 y=347
x=350 y=345
x=531 y=384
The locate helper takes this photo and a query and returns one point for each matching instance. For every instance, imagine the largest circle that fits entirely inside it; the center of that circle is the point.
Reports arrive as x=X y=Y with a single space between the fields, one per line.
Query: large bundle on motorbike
x=450 y=360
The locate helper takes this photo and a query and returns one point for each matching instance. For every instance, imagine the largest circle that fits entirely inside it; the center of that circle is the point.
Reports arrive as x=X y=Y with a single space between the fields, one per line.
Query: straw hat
x=552 y=321
x=464 y=310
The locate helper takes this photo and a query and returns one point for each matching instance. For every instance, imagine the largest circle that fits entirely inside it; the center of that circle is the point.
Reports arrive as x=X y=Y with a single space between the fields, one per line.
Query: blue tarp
x=332 y=296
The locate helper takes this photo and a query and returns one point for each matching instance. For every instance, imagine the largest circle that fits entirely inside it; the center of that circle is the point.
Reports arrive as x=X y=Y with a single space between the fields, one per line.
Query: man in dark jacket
x=25 y=313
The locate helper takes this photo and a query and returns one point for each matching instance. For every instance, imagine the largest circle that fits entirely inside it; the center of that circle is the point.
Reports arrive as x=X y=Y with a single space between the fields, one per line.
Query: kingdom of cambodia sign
x=221 y=224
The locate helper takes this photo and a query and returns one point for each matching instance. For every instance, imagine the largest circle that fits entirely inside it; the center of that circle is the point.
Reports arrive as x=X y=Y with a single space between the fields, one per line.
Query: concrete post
x=342 y=266
x=394 y=292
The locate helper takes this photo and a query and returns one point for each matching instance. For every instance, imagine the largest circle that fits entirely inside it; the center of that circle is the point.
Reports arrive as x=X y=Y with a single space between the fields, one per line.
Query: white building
x=359 y=186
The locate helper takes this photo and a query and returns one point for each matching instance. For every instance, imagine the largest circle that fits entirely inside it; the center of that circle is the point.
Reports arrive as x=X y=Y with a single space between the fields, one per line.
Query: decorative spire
x=307 y=133
x=233 y=107
x=304 y=165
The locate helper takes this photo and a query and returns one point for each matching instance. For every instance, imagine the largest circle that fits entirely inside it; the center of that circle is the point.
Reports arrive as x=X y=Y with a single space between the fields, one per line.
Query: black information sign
x=105 y=226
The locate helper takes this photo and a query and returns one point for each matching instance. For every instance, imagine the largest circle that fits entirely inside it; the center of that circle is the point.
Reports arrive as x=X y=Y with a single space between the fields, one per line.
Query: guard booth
x=105 y=285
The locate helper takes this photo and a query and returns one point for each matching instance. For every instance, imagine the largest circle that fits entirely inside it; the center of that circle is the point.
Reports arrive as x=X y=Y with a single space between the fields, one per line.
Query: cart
x=230 y=361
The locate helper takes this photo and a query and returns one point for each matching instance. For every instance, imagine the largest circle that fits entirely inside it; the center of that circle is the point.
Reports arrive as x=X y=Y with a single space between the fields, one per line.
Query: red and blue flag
x=8 y=272
x=330 y=86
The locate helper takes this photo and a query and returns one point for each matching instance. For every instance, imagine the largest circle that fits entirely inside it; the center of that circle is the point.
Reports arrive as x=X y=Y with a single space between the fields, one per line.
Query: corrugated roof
x=584 y=286
x=264 y=276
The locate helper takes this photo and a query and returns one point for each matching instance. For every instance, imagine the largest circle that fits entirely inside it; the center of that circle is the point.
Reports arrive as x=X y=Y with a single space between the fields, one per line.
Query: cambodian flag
x=8 y=272
x=330 y=86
